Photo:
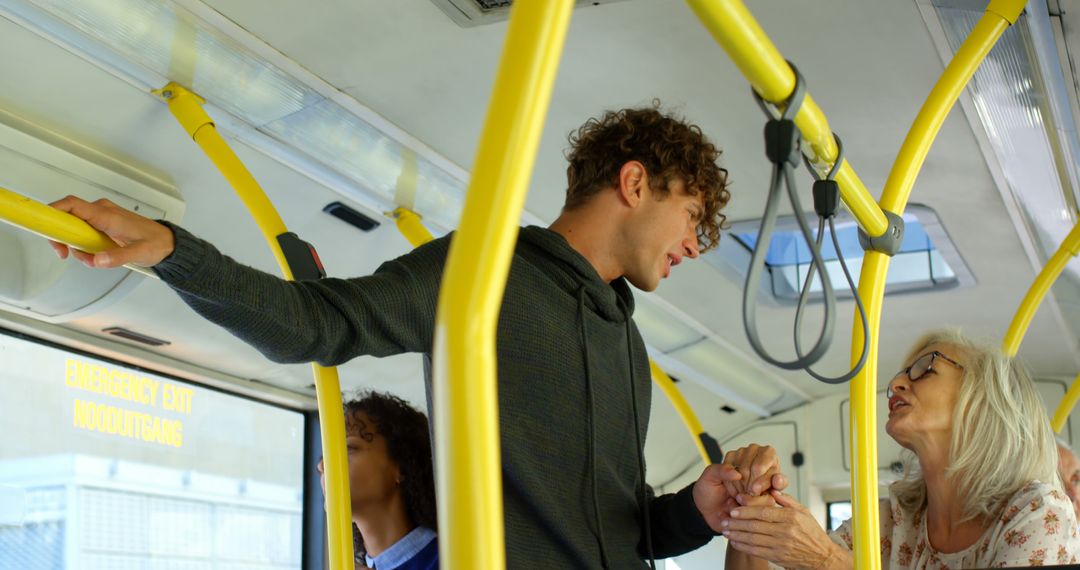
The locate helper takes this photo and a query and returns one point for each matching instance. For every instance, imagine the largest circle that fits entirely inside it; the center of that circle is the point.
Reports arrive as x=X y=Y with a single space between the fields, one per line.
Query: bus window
x=119 y=467
x=839 y=512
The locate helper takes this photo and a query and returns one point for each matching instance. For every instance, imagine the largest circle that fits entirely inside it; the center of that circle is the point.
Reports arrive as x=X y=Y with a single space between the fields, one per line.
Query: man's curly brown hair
x=408 y=443
x=668 y=146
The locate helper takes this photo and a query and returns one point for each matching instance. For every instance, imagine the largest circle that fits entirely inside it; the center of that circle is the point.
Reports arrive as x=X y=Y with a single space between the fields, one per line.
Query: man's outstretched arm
x=328 y=321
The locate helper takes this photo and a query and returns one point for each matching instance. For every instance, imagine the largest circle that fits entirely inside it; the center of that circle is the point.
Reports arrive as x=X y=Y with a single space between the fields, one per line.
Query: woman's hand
x=141 y=241
x=788 y=536
x=735 y=559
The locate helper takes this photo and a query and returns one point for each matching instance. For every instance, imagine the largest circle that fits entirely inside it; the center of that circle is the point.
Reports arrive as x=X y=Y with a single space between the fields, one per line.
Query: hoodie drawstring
x=591 y=403
x=643 y=500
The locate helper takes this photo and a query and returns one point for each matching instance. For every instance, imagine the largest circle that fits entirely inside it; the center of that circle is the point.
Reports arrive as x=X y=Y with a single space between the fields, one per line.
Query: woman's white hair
x=1001 y=436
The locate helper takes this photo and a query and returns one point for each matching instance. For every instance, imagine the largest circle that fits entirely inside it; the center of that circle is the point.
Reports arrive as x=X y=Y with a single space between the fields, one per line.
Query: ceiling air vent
x=469 y=13
x=135 y=336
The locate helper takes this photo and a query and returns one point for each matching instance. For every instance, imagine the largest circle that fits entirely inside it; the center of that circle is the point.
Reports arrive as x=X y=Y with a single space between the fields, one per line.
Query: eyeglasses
x=922 y=365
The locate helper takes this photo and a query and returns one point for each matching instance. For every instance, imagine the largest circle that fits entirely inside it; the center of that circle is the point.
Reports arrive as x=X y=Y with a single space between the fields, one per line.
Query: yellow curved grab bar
x=187 y=108
x=736 y=30
x=408 y=223
x=50 y=223
x=1061 y=415
x=1069 y=248
x=940 y=101
x=466 y=406
x=876 y=265
x=689 y=418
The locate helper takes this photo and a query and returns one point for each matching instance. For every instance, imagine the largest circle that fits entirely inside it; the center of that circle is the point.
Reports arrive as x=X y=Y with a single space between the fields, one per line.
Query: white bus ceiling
x=869 y=65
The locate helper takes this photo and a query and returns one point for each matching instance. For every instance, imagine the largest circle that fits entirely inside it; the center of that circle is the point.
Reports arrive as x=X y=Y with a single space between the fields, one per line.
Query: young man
x=644 y=193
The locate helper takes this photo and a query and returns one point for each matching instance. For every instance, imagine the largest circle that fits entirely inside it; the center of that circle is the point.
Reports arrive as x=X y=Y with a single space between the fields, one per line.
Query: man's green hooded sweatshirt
x=573 y=383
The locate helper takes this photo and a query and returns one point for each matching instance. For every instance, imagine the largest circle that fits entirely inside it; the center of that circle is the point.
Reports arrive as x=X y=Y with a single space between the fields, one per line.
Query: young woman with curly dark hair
x=391 y=484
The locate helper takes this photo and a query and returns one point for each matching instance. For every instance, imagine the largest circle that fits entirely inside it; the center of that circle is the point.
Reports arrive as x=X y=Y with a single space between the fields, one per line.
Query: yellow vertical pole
x=999 y=15
x=466 y=404
x=187 y=108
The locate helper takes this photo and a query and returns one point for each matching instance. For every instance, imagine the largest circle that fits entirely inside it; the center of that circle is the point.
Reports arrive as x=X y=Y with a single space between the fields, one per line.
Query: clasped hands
x=739 y=499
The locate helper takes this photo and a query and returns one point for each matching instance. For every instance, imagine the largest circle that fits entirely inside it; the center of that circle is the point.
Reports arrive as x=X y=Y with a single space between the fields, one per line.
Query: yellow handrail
x=187 y=108
x=408 y=223
x=736 y=30
x=940 y=101
x=1069 y=248
x=1061 y=415
x=746 y=43
x=689 y=418
x=50 y=223
x=875 y=268
x=466 y=405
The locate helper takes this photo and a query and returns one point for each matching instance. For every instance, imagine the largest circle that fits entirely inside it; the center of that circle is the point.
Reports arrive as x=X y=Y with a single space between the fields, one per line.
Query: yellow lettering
x=71 y=373
x=189 y=395
x=81 y=414
x=151 y=387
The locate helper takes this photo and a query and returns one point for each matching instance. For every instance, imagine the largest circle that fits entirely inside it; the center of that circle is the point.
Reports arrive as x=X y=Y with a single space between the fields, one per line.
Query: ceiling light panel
x=927 y=258
x=710 y=359
x=151 y=42
x=659 y=329
x=1020 y=112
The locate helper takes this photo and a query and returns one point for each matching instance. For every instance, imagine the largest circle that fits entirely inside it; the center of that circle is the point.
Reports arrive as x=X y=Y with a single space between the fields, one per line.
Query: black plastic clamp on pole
x=826 y=198
x=783 y=150
x=826 y=202
x=827 y=190
x=302 y=258
x=712 y=448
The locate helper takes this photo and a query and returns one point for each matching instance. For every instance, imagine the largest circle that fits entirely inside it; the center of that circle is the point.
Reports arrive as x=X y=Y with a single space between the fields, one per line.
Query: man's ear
x=633 y=183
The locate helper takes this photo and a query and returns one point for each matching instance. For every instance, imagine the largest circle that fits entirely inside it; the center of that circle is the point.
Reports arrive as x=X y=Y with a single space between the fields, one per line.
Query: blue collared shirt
x=401 y=551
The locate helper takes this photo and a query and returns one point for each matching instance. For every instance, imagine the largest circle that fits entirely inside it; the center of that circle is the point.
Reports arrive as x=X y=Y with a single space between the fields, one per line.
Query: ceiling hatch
x=469 y=13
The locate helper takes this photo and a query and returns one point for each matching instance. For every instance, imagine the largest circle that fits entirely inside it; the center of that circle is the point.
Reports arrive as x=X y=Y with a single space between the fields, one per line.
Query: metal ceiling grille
x=493 y=4
x=469 y=13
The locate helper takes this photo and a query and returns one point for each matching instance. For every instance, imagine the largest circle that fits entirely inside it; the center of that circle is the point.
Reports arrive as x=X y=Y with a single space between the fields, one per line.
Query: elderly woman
x=983 y=492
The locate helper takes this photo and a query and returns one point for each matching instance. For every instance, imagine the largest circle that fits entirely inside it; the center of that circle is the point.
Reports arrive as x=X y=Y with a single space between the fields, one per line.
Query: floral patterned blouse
x=1037 y=527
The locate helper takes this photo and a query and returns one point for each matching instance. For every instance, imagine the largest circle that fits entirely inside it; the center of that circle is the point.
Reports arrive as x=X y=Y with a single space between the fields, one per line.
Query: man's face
x=662 y=233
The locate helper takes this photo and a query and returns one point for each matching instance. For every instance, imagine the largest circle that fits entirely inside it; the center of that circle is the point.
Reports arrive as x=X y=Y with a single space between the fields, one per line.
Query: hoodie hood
x=613 y=301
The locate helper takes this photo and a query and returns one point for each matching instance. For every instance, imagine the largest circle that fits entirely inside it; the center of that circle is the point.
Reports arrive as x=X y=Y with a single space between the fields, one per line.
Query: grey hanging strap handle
x=782 y=147
x=826 y=201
